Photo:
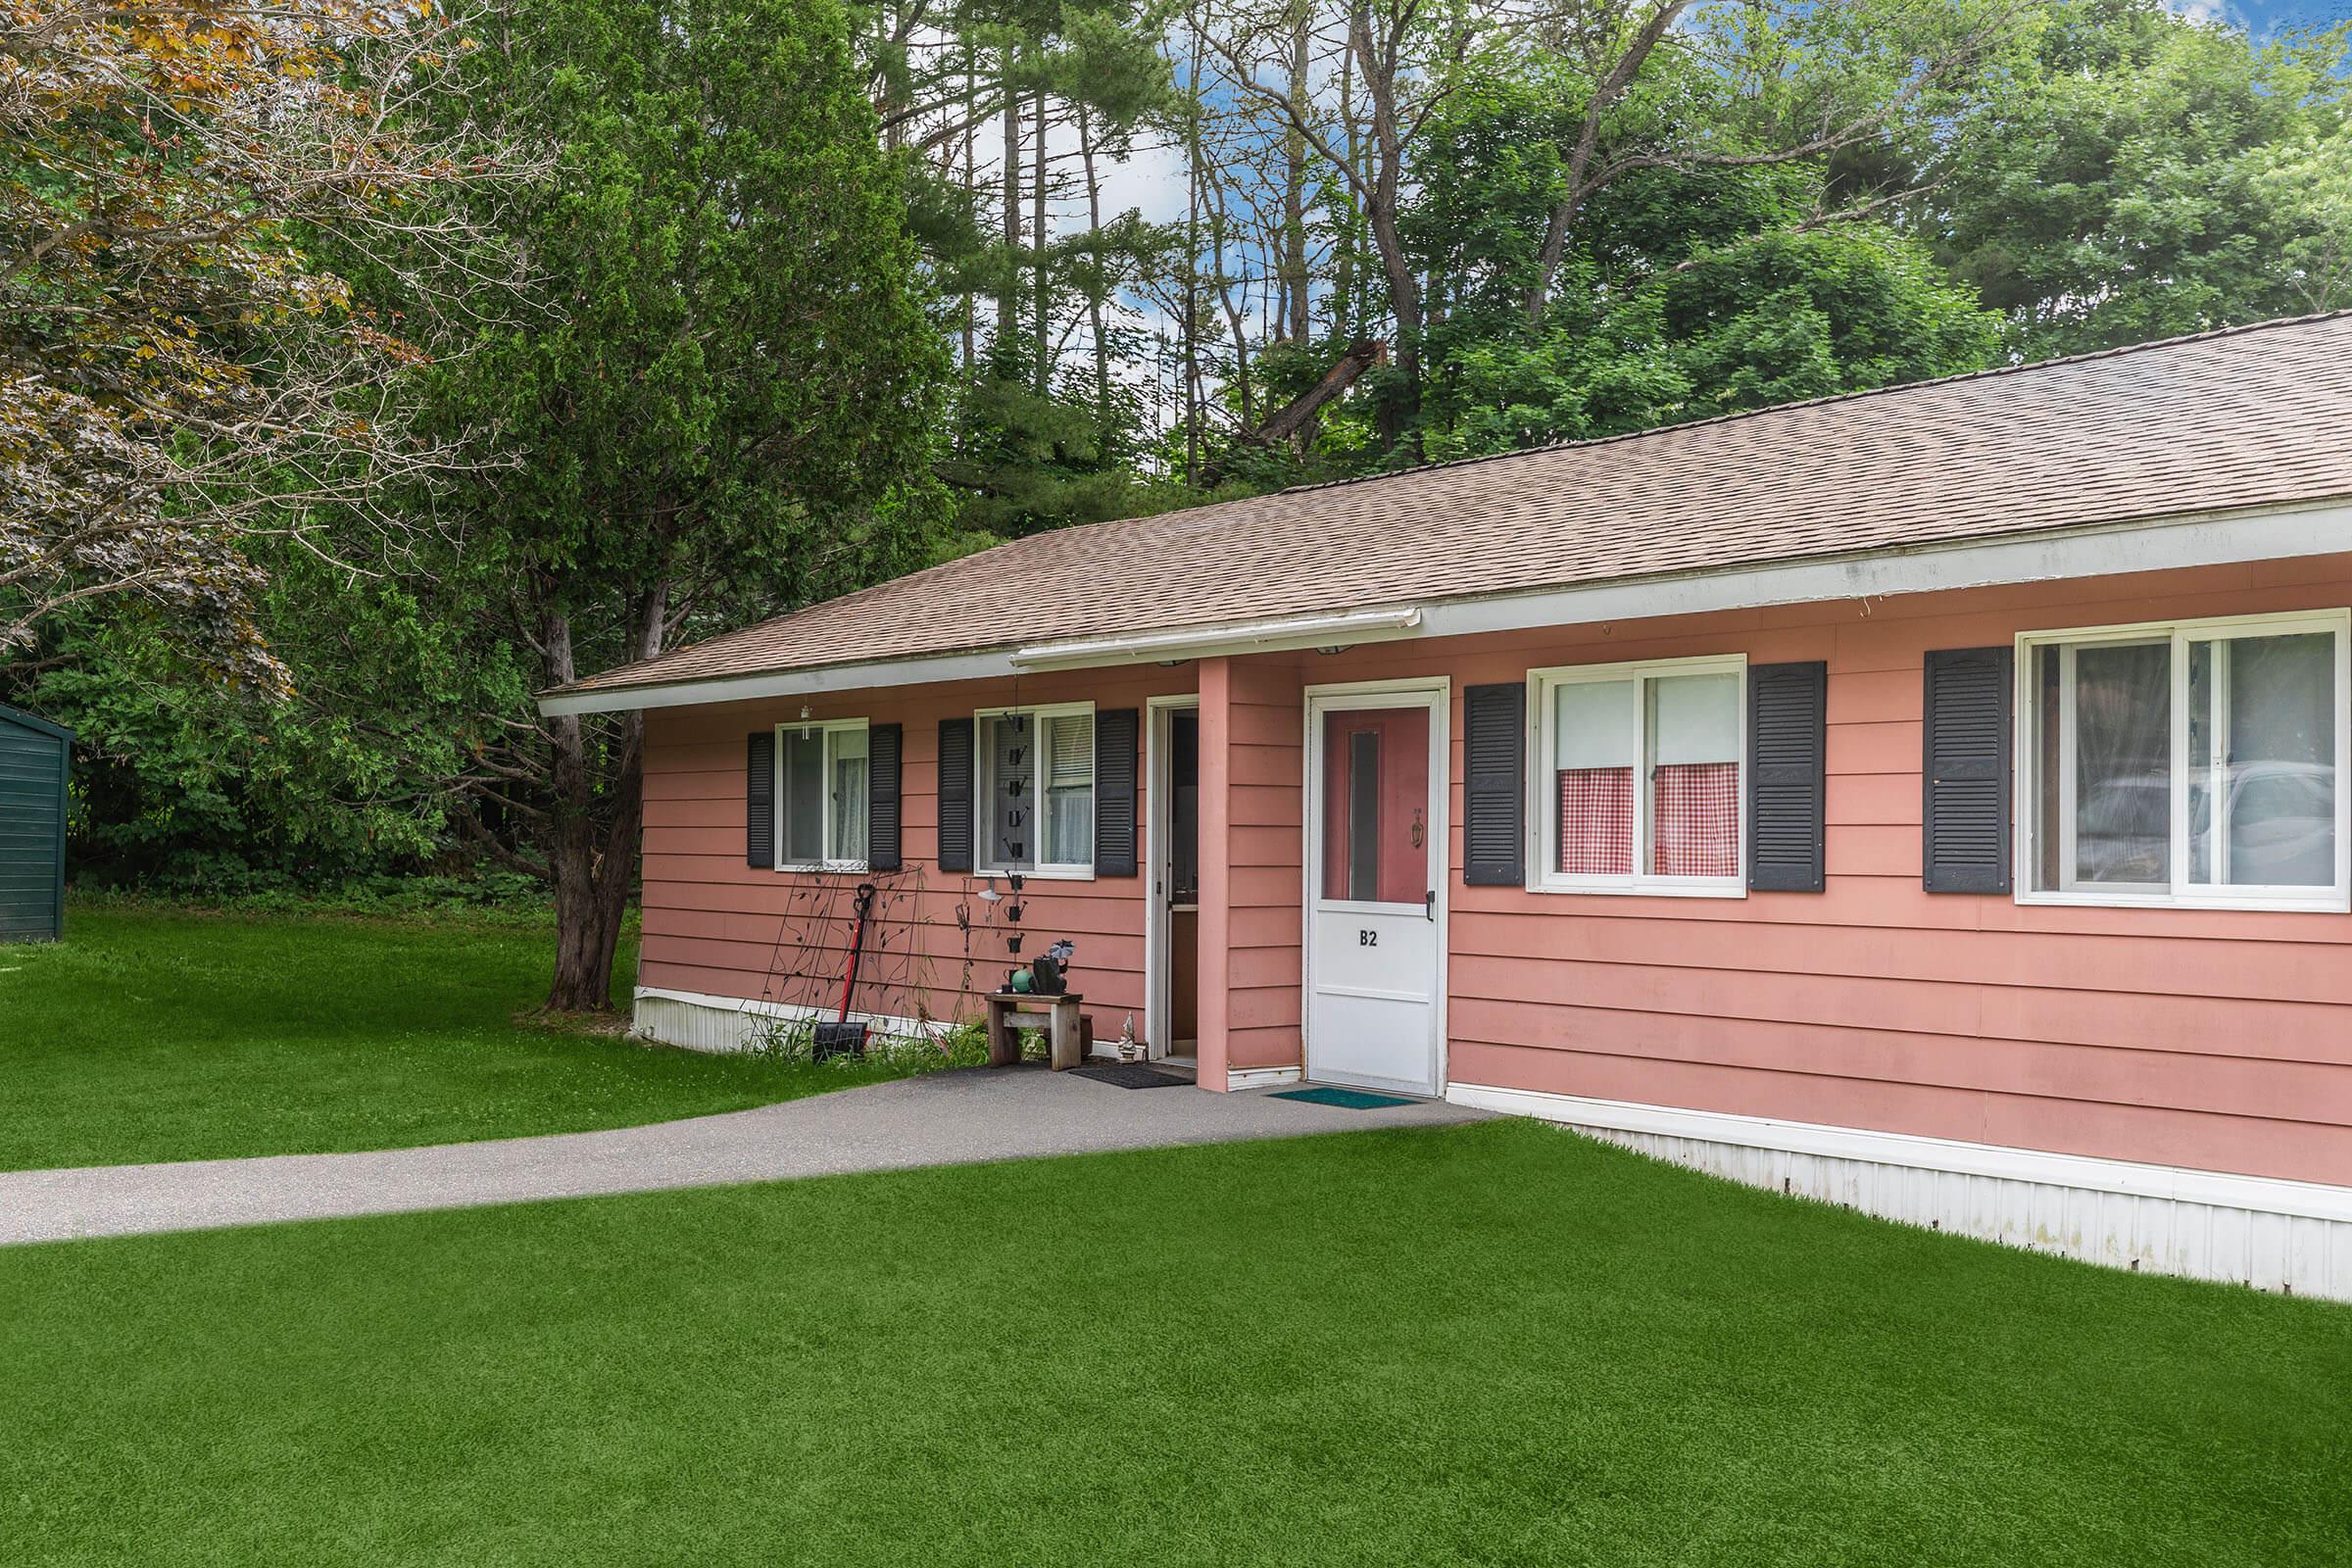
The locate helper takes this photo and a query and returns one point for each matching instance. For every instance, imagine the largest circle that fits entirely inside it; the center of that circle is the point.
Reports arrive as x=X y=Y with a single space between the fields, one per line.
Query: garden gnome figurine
x=1128 y=1049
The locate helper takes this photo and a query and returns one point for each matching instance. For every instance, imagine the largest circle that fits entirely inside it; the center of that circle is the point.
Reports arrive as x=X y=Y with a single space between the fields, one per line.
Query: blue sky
x=2268 y=16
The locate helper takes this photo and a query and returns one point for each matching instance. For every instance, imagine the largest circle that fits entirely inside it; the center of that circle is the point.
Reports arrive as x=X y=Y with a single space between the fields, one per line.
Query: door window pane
x=1364 y=814
x=1596 y=731
x=1376 y=805
x=1184 y=808
x=2122 y=710
x=1695 y=776
x=804 y=793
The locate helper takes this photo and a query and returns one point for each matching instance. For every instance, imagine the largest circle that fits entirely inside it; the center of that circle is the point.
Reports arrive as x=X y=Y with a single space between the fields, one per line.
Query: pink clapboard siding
x=2219 y=1039
x=2215 y=1039
x=1252 y=756
x=715 y=925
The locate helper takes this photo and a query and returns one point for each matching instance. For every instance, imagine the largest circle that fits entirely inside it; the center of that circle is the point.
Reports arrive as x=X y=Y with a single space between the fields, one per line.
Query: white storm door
x=1375 y=888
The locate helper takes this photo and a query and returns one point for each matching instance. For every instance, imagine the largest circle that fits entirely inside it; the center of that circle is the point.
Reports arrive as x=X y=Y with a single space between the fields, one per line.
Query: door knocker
x=1416 y=827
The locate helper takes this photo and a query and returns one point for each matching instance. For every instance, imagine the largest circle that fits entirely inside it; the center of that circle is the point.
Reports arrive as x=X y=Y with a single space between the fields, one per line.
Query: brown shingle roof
x=2250 y=416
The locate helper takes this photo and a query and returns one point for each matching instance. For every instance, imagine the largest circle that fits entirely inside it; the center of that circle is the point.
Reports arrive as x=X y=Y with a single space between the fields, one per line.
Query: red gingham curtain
x=1695 y=820
x=1596 y=820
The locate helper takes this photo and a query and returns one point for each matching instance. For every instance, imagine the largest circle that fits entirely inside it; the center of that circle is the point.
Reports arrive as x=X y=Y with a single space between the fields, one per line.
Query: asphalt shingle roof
x=2247 y=417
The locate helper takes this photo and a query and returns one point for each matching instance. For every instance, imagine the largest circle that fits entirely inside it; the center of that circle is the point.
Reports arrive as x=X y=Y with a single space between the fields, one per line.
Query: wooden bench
x=1065 y=1029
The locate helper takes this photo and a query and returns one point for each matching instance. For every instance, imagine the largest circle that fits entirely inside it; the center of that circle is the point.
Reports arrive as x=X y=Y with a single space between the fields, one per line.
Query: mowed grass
x=1489 y=1345
x=158 y=1035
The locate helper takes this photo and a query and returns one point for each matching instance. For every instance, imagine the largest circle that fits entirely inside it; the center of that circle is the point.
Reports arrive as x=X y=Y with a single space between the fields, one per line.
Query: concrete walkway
x=947 y=1118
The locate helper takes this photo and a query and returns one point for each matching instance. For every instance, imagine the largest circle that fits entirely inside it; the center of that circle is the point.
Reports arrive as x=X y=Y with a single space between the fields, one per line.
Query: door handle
x=1429 y=905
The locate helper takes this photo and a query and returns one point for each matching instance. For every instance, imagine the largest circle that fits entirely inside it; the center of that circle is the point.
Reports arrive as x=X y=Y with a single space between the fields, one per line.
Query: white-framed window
x=1034 y=791
x=1638 y=783
x=823 y=790
x=2190 y=764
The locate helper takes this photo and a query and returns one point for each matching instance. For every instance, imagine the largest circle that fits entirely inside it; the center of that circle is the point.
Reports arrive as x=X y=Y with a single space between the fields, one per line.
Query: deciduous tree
x=177 y=373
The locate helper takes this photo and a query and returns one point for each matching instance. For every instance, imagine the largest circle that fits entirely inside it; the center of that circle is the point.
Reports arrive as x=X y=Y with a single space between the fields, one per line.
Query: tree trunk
x=972 y=182
x=1293 y=318
x=593 y=856
x=1041 y=281
x=1384 y=191
x=1577 y=183
x=1191 y=257
x=1095 y=283
x=1233 y=317
x=1008 y=318
x=1297 y=417
x=1344 y=314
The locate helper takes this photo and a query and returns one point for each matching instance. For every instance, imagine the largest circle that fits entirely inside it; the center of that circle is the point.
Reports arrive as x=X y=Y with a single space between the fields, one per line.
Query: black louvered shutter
x=760 y=799
x=1965 y=770
x=884 y=743
x=1494 y=785
x=1788 y=743
x=955 y=795
x=1116 y=734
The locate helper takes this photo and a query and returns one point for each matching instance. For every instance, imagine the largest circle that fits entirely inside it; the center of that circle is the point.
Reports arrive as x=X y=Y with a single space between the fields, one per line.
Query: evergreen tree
x=718 y=402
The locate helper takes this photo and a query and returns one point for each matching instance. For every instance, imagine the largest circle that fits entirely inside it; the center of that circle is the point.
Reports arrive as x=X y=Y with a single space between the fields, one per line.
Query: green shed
x=33 y=754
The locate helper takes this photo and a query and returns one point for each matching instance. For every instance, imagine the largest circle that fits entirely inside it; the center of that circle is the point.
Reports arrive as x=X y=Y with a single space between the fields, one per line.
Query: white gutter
x=1209 y=642
x=2202 y=539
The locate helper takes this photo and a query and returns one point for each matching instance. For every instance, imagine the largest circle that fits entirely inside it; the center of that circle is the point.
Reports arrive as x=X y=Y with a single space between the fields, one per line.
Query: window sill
x=2329 y=903
x=837 y=868
x=1054 y=873
x=1645 y=889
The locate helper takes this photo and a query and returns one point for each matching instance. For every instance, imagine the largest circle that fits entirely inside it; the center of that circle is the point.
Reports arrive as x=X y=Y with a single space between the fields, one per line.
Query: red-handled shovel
x=842 y=1038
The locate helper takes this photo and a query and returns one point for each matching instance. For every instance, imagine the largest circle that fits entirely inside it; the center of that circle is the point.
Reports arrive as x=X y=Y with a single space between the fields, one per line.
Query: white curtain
x=2123 y=763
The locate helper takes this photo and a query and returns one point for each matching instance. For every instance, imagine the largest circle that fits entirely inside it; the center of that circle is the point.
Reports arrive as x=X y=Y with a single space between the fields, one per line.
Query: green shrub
x=941 y=1045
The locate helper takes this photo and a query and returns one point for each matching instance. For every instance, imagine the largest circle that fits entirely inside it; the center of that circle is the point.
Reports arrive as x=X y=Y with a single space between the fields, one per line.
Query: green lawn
x=1490 y=1345
x=154 y=1035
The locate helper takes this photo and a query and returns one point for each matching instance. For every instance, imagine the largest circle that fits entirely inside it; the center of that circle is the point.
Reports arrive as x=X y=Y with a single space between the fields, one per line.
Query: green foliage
x=1025 y=464
x=180 y=380
x=726 y=389
x=732 y=385
x=2133 y=189
x=187 y=786
x=1685 y=294
x=477 y=898
x=935 y=1049
x=717 y=398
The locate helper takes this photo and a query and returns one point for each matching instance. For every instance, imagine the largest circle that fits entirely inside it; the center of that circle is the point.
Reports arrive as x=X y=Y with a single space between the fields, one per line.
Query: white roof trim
x=2205 y=539
x=1207 y=641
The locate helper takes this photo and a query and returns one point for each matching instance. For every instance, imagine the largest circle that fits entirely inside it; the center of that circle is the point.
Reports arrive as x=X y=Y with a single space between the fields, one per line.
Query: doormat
x=1129 y=1075
x=1345 y=1098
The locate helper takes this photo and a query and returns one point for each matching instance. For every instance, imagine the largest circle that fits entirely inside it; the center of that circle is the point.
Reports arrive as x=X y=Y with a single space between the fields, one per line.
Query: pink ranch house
x=1931 y=799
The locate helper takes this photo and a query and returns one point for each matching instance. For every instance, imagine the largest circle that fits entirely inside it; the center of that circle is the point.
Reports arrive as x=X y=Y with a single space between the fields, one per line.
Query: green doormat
x=1346 y=1098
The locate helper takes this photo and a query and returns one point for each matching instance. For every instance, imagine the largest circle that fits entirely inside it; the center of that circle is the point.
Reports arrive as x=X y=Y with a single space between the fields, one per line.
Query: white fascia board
x=2216 y=539
x=805 y=682
x=1344 y=629
x=2204 y=539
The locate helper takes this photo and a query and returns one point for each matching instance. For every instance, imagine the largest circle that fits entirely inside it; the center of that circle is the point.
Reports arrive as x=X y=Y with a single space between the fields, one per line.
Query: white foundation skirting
x=2273 y=1235
x=700 y=1022
x=1260 y=1077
